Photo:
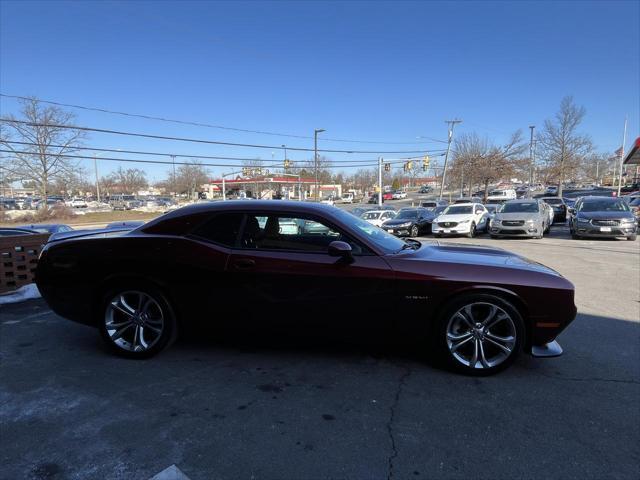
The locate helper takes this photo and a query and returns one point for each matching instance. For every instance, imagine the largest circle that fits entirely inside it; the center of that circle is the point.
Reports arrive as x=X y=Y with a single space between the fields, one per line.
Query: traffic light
x=409 y=165
x=245 y=171
x=387 y=167
x=287 y=164
x=425 y=162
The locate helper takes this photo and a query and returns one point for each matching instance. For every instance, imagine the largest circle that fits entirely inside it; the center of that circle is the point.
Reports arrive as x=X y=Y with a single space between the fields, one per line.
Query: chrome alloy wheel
x=481 y=335
x=134 y=321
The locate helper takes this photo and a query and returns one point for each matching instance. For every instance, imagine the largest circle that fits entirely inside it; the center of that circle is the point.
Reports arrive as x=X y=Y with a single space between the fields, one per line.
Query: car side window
x=291 y=233
x=222 y=229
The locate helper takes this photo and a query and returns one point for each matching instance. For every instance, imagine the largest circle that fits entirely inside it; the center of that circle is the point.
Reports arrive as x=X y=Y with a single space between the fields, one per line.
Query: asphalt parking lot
x=68 y=409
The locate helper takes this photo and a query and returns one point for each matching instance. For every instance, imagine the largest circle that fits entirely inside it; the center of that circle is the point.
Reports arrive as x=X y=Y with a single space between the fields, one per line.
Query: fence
x=18 y=259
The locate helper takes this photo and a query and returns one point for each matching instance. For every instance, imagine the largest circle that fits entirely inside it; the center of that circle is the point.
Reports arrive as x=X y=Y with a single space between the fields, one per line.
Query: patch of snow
x=25 y=292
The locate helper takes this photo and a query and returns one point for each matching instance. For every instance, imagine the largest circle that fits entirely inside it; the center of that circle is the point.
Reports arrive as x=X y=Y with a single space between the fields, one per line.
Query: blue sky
x=361 y=70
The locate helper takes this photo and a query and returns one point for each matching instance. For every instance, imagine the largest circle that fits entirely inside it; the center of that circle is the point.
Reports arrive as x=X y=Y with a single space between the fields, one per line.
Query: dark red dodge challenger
x=267 y=264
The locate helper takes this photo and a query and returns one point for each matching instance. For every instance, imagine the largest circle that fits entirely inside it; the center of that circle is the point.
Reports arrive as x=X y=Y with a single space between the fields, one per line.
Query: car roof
x=524 y=200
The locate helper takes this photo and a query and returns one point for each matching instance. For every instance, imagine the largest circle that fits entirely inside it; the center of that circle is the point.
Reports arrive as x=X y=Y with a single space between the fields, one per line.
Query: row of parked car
x=116 y=202
x=589 y=216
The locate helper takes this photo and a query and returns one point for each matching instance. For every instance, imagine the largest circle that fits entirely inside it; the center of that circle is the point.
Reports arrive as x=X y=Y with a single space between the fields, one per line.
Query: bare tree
x=45 y=138
x=560 y=145
x=71 y=182
x=125 y=181
x=189 y=177
x=480 y=162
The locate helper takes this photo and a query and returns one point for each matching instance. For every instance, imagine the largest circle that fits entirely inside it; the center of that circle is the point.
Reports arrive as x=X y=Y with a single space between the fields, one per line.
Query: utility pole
x=624 y=140
x=315 y=159
x=532 y=128
x=380 y=181
x=173 y=180
x=452 y=124
x=95 y=168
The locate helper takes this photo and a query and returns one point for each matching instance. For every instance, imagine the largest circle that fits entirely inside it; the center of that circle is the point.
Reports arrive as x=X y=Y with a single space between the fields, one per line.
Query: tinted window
x=407 y=214
x=385 y=241
x=222 y=229
x=553 y=201
x=275 y=232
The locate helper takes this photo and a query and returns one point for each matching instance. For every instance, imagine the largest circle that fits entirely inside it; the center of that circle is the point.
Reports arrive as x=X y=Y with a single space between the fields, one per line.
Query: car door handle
x=244 y=264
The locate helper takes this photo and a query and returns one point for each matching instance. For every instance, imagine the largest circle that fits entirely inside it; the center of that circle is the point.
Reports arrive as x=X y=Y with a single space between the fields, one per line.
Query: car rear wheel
x=480 y=334
x=137 y=321
x=632 y=238
x=414 y=231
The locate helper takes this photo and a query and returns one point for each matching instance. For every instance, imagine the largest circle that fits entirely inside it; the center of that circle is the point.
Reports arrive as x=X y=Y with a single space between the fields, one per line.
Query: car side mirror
x=341 y=249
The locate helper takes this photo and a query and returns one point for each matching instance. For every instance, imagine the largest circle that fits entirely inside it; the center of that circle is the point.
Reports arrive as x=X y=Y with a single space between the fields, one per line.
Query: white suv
x=378 y=217
x=461 y=219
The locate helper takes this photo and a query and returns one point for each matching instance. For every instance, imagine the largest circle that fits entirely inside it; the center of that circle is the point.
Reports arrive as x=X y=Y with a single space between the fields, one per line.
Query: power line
x=193 y=140
x=207 y=125
x=161 y=162
x=163 y=154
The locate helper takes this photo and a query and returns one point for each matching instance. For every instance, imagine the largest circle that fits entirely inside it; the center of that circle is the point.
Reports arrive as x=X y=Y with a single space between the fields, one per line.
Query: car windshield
x=497 y=192
x=407 y=214
x=383 y=240
x=520 y=207
x=458 y=209
x=371 y=215
x=429 y=205
x=553 y=201
x=603 y=206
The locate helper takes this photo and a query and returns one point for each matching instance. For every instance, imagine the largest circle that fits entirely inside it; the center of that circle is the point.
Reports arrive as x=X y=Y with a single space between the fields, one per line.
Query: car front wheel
x=472 y=230
x=414 y=231
x=137 y=321
x=480 y=334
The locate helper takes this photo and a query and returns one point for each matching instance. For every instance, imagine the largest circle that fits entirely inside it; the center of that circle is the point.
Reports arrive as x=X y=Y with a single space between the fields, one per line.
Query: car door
x=289 y=280
x=480 y=216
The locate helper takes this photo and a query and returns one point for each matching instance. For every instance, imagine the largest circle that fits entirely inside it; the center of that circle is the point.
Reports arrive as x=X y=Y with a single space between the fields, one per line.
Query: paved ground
x=70 y=410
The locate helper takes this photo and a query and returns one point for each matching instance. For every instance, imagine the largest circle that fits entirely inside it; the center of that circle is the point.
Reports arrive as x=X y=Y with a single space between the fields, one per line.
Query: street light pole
x=624 y=140
x=315 y=158
x=452 y=124
x=380 y=181
x=532 y=128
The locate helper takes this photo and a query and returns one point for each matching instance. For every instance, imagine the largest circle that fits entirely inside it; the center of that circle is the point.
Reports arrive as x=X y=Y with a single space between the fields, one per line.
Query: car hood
x=398 y=221
x=454 y=218
x=517 y=216
x=604 y=215
x=474 y=255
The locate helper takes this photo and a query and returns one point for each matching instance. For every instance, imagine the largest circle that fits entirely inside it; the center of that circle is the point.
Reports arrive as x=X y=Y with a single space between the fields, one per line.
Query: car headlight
x=496 y=221
x=530 y=222
x=628 y=220
x=463 y=221
x=583 y=220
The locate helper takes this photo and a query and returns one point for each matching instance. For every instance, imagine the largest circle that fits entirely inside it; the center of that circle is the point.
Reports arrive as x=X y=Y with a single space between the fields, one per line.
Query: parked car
x=378 y=217
x=124 y=202
x=409 y=222
x=328 y=201
x=559 y=208
x=399 y=195
x=632 y=187
x=387 y=196
x=8 y=204
x=478 y=307
x=501 y=195
x=373 y=198
x=634 y=205
x=551 y=190
x=425 y=189
x=77 y=202
x=347 y=198
x=461 y=219
x=50 y=202
x=47 y=227
x=491 y=208
x=521 y=218
x=602 y=217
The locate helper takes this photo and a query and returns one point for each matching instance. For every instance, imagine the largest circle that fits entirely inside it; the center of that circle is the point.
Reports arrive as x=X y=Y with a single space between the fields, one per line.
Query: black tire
x=414 y=231
x=575 y=236
x=472 y=230
x=445 y=317
x=494 y=237
x=437 y=235
x=632 y=238
x=161 y=341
